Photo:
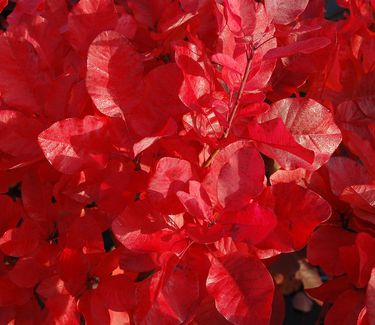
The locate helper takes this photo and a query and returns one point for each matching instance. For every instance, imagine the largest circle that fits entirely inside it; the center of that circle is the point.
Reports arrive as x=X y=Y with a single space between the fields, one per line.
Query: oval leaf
x=242 y=289
x=114 y=74
x=73 y=144
x=311 y=125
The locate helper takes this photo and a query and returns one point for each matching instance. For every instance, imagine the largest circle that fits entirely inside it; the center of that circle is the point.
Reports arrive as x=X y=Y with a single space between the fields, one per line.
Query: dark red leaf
x=18 y=139
x=23 y=80
x=370 y=297
x=12 y=295
x=117 y=292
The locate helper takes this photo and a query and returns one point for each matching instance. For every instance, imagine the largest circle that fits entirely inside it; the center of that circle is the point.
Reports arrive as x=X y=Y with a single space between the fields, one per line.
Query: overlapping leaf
x=312 y=127
x=245 y=283
x=114 y=89
x=74 y=144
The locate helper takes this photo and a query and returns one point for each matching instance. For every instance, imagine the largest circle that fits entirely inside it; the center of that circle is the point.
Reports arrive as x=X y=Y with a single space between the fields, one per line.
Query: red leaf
x=241 y=178
x=27 y=272
x=283 y=11
x=160 y=103
x=170 y=297
x=11 y=295
x=362 y=200
x=311 y=125
x=207 y=313
x=197 y=74
x=74 y=277
x=21 y=241
x=18 y=139
x=351 y=302
x=11 y=213
x=242 y=288
x=359 y=263
x=324 y=247
x=370 y=298
x=305 y=47
x=117 y=292
x=3 y=4
x=141 y=229
x=168 y=129
x=87 y=19
x=274 y=140
x=296 y=222
x=146 y=12
x=196 y=202
x=62 y=309
x=92 y=307
x=227 y=61
x=251 y=224
x=171 y=175
x=73 y=144
x=114 y=74
x=240 y=15
x=23 y=80
x=344 y=172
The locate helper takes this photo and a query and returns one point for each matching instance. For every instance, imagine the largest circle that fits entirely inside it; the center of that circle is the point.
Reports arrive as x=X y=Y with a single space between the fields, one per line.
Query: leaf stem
x=234 y=109
x=239 y=95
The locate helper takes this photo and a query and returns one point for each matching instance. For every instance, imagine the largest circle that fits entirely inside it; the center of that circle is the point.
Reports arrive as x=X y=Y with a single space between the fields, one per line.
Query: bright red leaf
x=242 y=289
x=114 y=89
x=73 y=144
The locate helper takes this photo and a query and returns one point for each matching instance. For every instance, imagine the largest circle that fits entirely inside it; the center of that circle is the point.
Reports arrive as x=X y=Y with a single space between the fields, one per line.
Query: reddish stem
x=234 y=110
x=239 y=95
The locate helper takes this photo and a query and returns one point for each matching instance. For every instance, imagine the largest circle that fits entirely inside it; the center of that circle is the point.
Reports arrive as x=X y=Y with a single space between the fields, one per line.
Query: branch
x=234 y=109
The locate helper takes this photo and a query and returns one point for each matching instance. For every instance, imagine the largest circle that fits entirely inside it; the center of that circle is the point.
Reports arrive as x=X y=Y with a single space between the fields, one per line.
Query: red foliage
x=156 y=157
